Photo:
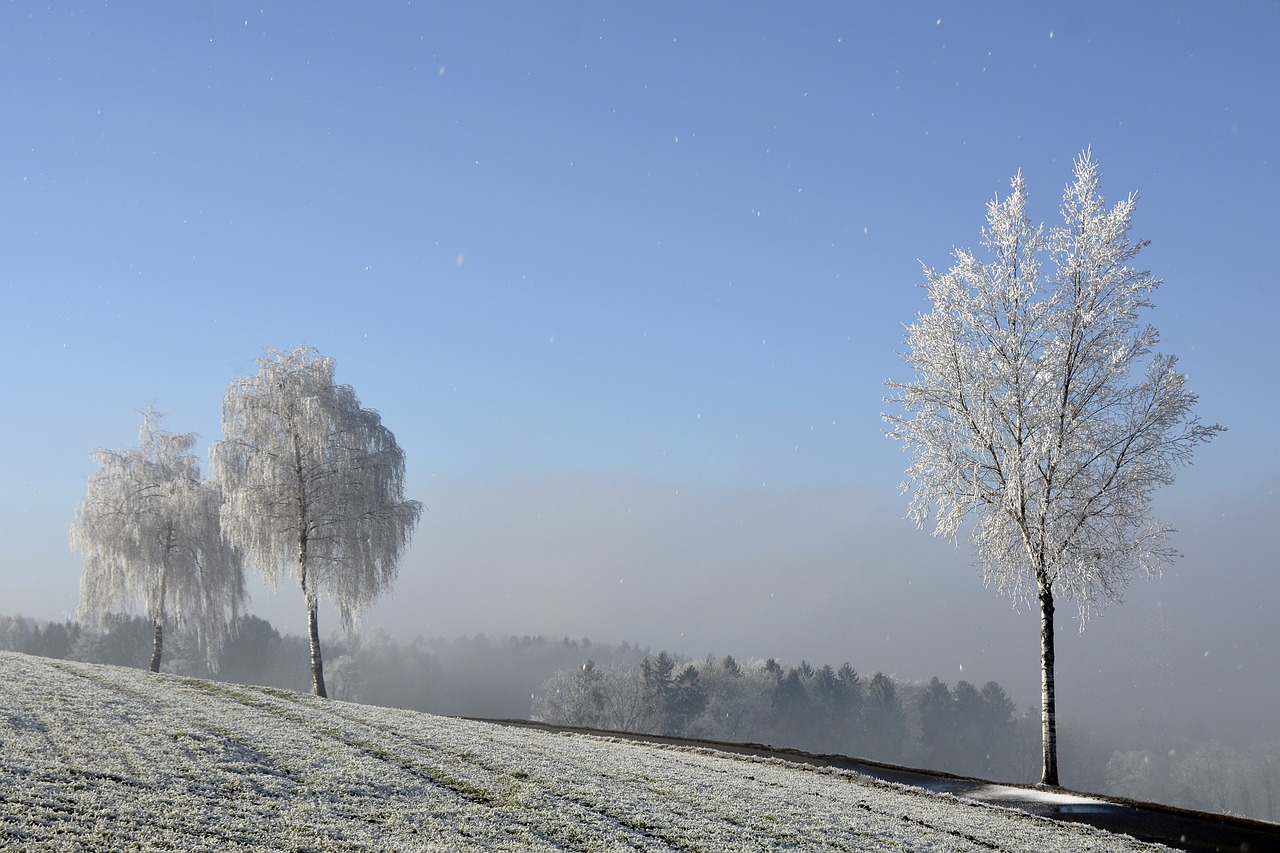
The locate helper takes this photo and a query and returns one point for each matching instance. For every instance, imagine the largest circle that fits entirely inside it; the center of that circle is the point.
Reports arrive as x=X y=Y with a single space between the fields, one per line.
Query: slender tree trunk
x=313 y=625
x=317 y=665
x=158 y=619
x=156 y=633
x=1048 y=699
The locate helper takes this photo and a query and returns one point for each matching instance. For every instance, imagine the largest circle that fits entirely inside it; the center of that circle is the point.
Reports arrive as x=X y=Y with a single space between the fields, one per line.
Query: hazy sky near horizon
x=626 y=281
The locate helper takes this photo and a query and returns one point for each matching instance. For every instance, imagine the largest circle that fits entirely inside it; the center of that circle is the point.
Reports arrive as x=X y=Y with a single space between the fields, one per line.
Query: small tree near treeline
x=1023 y=418
x=148 y=527
x=313 y=487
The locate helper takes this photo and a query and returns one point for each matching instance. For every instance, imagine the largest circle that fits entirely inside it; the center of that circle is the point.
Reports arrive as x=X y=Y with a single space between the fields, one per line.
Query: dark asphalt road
x=1196 y=832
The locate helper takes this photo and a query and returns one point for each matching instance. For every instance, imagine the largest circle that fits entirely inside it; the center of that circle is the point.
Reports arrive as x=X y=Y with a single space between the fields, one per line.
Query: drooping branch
x=148 y=528
x=314 y=484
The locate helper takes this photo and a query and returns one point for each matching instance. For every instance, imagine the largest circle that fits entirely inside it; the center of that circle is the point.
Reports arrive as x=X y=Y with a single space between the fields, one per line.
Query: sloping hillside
x=104 y=758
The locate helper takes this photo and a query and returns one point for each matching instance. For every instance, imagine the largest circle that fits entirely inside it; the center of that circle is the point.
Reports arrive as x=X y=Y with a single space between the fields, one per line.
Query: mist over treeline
x=476 y=676
x=818 y=709
x=961 y=728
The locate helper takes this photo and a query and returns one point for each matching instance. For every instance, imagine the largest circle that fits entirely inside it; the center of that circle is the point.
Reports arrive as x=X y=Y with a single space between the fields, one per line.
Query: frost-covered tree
x=313 y=486
x=572 y=697
x=148 y=527
x=1023 y=417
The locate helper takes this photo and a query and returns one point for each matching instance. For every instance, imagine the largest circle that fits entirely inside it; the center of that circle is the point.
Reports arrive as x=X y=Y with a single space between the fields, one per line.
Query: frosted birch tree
x=148 y=527
x=1025 y=422
x=313 y=487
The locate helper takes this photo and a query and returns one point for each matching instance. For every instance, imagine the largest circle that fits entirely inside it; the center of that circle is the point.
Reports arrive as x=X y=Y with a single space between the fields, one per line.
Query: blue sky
x=626 y=281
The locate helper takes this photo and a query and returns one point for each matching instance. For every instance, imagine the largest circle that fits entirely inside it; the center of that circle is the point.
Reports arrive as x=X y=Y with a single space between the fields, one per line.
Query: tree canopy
x=313 y=486
x=148 y=527
x=1023 y=417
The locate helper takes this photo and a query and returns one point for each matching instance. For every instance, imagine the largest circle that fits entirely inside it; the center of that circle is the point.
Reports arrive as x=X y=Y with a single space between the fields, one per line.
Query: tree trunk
x=1048 y=700
x=308 y=593
x=155 y=645
x=158 y=619
x=317 y=665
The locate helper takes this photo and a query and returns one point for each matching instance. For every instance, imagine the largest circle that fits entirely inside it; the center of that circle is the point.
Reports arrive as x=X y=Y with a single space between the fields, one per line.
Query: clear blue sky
x=626 y=281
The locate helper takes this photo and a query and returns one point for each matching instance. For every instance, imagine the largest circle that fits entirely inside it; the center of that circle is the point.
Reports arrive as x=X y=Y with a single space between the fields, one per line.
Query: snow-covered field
x=104 y=758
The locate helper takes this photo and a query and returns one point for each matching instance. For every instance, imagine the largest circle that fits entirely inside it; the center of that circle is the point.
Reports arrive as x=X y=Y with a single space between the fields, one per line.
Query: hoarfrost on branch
x=148 y=527
x=314 y=486
x=1023 y=419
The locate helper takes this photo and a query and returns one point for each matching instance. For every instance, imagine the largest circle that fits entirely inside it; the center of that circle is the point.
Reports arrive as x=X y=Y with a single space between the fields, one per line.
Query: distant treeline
x=961 y=728
x=468 y=676
x=965 y=729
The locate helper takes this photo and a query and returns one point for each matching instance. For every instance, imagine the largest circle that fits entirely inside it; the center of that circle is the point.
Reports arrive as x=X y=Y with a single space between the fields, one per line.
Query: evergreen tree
x=938 y=726
x=885 y=727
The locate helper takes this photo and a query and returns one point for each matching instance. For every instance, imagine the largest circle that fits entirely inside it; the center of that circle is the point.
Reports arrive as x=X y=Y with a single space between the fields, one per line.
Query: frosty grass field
x=105 y=758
